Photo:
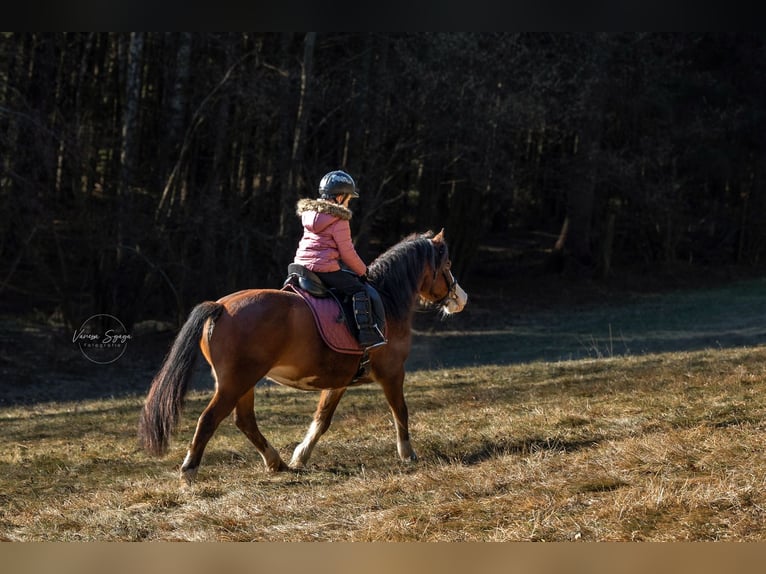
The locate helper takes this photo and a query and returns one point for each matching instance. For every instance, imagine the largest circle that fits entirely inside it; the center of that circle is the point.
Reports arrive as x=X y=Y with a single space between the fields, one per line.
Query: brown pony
x=260 y=333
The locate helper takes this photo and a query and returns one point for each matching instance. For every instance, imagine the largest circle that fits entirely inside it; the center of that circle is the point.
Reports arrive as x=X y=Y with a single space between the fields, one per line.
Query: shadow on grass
x=491 y=449
x=729 y=317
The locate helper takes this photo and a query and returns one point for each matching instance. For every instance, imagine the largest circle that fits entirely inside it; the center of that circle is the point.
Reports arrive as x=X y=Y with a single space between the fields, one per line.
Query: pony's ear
x=439 y=237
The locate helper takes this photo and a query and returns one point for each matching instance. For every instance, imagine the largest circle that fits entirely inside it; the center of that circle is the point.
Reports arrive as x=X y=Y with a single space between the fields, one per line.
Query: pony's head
x=440 y=288
x=417 y=267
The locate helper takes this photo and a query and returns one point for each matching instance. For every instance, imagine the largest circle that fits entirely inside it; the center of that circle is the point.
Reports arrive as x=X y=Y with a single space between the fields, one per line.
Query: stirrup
x=375 y=345
x=376 y=338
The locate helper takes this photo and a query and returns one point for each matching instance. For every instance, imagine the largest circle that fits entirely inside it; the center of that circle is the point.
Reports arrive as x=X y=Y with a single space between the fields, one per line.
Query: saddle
x=333 y=310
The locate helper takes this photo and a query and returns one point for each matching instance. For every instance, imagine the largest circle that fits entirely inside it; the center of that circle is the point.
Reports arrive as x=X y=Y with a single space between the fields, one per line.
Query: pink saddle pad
x=330 y=322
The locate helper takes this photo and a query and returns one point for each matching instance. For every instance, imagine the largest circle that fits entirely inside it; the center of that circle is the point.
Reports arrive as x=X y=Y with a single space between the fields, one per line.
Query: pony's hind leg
x=244 y=417
x=217 y=409
x=322 y=418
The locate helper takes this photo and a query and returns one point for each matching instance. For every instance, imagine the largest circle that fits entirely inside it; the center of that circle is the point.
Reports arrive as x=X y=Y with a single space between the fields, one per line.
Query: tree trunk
x=288 y=224
x=130 y=124
x=574 y=242
x=125 y=290
x=577 y=241
x=177 y=104
x=299 y=133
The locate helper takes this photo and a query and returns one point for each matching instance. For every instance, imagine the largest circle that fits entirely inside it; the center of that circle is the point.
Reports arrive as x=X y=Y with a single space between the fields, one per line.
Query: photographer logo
x=102 y=339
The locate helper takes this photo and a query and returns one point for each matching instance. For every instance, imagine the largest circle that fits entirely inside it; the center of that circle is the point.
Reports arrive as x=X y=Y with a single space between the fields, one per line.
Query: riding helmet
x=337 y=183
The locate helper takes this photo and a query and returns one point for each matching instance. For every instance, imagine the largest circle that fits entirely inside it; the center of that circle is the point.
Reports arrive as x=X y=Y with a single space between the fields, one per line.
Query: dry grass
x=658 y=447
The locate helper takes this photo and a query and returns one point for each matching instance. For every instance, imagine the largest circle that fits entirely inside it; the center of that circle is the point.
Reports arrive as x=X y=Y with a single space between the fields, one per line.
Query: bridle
x=451 y=282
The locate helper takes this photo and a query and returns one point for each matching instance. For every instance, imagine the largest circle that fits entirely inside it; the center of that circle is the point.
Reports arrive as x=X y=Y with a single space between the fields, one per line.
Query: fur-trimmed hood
x=326 y=237
x=323 y=206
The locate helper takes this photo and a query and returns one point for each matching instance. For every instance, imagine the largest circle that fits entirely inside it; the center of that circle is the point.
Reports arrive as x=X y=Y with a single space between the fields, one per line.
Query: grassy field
x=628 y=421
x=658 y=447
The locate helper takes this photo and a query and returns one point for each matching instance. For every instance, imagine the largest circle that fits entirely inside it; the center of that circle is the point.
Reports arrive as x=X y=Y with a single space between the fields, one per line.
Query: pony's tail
x=166 y=396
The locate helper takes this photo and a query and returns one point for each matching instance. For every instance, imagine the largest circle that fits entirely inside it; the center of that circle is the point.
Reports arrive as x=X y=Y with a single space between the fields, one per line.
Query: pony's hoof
x=188 y=475
x=280 y=466
x=406 y=453
x=298 y=465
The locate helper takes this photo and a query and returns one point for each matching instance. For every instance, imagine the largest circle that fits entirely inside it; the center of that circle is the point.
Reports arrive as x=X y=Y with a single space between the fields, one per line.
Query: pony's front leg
x=322 y=418
x=393 y=389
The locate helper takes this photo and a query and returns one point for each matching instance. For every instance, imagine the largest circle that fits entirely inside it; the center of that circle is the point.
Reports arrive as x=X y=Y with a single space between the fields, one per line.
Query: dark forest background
x=144 y=172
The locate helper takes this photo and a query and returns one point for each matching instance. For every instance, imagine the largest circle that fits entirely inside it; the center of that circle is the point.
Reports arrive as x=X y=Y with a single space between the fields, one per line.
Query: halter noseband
x=451 y=282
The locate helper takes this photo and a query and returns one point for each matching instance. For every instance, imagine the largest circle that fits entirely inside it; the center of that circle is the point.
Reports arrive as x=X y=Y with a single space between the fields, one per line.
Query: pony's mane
x=396 y=272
